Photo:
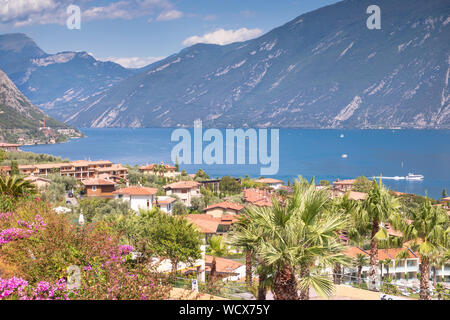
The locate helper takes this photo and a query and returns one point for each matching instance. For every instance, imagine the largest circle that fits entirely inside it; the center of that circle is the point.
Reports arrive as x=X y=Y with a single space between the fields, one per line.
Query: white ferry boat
x=412 y=176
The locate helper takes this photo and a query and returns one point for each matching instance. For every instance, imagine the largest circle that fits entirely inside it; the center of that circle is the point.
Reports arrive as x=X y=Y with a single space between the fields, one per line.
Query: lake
x=302 y=152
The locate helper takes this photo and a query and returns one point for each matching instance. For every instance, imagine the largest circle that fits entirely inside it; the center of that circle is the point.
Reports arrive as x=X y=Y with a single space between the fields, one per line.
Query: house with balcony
x=185 y=190
x=343 y=185
x=140 y=198
x=101 y=188
x=223 y=208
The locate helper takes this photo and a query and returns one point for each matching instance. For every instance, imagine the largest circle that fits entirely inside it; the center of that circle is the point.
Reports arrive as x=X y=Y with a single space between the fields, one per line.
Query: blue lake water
x=302 y=152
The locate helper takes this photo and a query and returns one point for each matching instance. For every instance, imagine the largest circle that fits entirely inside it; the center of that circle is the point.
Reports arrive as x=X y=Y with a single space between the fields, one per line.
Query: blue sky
x=135 y=32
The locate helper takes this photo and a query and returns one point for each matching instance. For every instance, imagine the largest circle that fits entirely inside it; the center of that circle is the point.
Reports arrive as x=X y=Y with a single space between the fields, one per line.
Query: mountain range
x=324 y=69
x=21 y=120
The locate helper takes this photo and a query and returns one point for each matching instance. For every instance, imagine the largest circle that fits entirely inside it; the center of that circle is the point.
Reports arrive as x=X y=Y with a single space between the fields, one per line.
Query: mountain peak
x=20 y=43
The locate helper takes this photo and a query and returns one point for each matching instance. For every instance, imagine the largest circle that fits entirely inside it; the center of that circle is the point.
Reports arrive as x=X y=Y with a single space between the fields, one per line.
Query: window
x=94 y=188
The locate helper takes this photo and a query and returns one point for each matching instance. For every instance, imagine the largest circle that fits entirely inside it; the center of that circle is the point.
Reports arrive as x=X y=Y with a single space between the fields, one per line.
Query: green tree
x=217 y=248
x=3 y=155
x=174 y=238
x=15 y=168
x=177 y=165
x=324 y=183
x=380 y=206
x=362 y=184
x=430 y=226
x=229 y=185
x=179 y=208
x=444 y=193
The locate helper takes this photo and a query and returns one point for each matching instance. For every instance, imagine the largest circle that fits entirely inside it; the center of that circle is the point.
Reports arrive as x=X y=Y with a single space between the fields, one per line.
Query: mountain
x=21 y=120
x=56 y=83
x=324 y=69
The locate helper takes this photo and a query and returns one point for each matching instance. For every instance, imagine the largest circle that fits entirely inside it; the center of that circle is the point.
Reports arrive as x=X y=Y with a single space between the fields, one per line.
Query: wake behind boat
x=410 y=176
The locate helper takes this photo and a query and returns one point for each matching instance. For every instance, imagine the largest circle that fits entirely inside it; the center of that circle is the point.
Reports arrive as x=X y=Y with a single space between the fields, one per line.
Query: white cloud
x=170 y=15
x=133 y=62
x=222 y=36
x=28 y=12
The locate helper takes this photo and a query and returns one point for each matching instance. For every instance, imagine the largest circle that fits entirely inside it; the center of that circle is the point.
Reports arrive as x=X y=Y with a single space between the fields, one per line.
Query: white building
x=273 y=183
x=185 y=190
x=140 y=198
x=164 y=203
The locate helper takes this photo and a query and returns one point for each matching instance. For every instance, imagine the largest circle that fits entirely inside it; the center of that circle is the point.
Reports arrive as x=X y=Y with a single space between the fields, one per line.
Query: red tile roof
x=222 y=265
x=137 y=191
x=345 y=182
x=182 y=185
x=258 y=197
x=204 y=222
x=98 y=182
x=225 y=205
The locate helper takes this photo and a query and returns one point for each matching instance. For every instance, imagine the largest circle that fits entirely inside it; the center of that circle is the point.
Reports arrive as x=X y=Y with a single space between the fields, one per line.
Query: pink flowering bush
x=41 y=245
x=19 y=289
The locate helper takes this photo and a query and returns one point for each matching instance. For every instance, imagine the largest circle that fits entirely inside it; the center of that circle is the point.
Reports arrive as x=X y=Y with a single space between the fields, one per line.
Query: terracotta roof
x=5 y=145
x=392 y=232
x=98 y=182
x=182 y=185
x=204 y=222
x=85 y=162
x=222 y=265
x=34 y=178
x=258 y=197
x=225 y=205
x=137 y=191
x=383 y=254
x=445 y=199
x=268 y=181
x=114 y=167
x=164 y=200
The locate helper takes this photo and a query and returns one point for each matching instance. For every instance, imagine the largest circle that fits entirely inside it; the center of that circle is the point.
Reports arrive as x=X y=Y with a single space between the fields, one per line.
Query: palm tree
x=246 y=243
x=299 y=236
x=217 y=248
x=387 y=262
x=380 y=206
x=430 y=225
x=437 y=261
x=15 y=186
x=360 y=261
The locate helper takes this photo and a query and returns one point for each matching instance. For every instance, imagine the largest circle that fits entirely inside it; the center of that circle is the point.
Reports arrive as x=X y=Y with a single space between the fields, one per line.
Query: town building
x=258 y=197
x=273 y=183
x=96 y=187
x=223 y=208
x=445 y=203
x=164 y=203
x=167 y=171
x=226 y=269
x=209 y=225
x=343 y=185
x=80 y=169
x=9 y=147
x=140 y=198
x=185 y=190
x=39 y=182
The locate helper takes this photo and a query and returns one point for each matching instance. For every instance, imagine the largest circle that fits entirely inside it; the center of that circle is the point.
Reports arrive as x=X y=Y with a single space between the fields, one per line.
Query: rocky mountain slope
x=56 y=83
x=19 y=118
x=324 y=69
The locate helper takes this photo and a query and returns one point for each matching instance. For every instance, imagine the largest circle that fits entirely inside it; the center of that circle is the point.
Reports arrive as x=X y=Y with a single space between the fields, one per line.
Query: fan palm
x=15 y=186
x=430 y=225
x=217 y=248
x=379 y=206
x=360 y=261
x=297 y=237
